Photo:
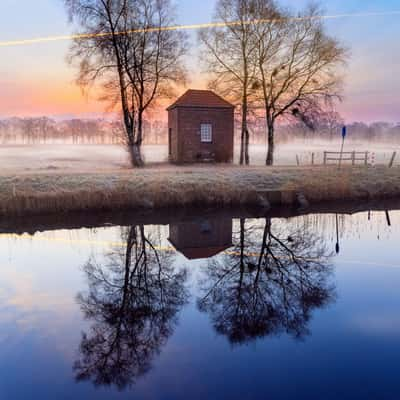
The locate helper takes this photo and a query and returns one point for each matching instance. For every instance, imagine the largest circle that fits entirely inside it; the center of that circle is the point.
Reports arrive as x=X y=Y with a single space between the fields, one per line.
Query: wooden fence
x=353 y=156
x=363 y=157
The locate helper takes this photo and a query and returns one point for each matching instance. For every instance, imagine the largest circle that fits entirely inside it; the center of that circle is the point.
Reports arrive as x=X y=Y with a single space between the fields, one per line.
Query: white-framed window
x=206 y=133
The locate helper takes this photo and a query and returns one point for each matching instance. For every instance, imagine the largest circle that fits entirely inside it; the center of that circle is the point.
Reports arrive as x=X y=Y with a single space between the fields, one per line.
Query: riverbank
x=165 y=186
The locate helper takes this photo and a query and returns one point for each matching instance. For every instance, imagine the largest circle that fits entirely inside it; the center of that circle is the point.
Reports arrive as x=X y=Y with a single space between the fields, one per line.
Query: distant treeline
x=357 y=131
x=45 y=130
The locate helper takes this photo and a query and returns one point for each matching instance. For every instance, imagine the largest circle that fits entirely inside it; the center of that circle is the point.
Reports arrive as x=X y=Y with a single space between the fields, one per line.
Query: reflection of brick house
x=200 y=128
x=201 y=238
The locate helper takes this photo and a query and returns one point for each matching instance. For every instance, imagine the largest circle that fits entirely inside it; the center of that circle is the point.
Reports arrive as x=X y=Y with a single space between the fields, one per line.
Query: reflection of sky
x=36 y=80
x=352 y=352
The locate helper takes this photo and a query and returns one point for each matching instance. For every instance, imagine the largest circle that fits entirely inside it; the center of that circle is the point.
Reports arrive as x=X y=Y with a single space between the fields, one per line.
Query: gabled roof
x=195 y=253
x=200 y=98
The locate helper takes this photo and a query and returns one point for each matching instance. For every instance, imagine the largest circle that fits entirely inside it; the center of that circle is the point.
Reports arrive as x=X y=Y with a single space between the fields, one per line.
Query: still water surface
x=204 y=308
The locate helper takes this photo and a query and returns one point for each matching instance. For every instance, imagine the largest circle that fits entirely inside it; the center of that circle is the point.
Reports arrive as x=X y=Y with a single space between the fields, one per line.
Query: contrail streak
x=185 y=27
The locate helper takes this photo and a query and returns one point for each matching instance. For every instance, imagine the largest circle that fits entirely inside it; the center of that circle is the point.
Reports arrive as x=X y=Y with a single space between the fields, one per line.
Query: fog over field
x=78 y=144
x=45 y=144
x=84 y=157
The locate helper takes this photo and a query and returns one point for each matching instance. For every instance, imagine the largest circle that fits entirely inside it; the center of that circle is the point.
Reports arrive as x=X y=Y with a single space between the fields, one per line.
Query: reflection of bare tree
x=269 y=283
x=133 y=302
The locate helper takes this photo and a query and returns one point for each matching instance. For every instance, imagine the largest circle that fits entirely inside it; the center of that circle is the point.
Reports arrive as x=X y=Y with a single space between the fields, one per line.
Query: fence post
x=353 y=158
x=366 y=158
x=324 y=157
x=312 y=158
x=392 y=159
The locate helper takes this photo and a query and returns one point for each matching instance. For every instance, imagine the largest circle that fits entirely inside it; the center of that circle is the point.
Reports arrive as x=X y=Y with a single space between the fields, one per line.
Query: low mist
x=44 y=143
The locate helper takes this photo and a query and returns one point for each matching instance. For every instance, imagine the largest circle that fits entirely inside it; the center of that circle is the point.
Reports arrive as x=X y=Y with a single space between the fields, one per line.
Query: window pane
x=206 y=132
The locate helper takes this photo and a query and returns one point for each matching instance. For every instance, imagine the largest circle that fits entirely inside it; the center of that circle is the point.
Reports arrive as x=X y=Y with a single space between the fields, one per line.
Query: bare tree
x=230 y=59
x=125 y=47
x=269 y=283
x=133 y=303
x=330 y=123
x=298 y=64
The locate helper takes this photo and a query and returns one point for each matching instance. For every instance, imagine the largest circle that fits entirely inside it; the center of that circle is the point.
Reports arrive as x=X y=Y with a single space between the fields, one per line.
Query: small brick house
x=200 y=128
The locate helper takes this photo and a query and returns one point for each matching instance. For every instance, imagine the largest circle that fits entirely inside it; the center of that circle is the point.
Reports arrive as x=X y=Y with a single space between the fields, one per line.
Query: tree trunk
x=134 y=142
x=242 y=232
x=271 y=145
x=135 y=153
x=244 y=139
x=246 y=147
x=241 y=159
x=241 y=150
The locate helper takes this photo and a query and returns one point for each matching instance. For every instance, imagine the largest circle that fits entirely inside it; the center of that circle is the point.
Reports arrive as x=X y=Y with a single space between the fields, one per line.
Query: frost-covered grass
x=170 y=186
x=60 y=157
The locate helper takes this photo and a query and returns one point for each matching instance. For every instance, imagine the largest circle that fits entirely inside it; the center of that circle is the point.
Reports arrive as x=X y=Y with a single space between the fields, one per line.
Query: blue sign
x=344 y=131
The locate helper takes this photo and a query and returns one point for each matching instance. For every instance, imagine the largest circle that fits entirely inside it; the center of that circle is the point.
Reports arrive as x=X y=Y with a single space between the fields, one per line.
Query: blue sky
x=35 y=79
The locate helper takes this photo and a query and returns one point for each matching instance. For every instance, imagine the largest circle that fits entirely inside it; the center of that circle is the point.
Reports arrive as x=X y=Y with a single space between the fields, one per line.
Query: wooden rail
x=352 y=156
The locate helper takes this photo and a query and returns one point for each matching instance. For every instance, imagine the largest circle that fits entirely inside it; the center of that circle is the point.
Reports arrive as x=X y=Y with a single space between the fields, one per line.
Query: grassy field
x=64 y=158
x=45 y=192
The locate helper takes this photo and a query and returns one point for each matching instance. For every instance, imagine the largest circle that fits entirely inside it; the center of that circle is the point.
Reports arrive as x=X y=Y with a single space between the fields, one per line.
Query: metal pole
x=388 y=218
x=344 y=131
x=337 y=247
x=392 y=159
x=341 y=153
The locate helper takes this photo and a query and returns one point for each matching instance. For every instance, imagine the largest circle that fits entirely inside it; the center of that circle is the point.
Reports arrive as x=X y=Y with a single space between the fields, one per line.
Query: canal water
x=204 y=308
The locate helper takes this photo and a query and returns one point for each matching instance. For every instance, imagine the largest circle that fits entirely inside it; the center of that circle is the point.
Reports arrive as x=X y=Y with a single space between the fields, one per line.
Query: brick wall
x=186 y=142
x=173 y=137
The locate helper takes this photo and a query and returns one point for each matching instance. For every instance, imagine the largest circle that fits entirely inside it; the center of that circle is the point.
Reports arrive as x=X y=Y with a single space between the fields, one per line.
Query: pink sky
x=36 y=79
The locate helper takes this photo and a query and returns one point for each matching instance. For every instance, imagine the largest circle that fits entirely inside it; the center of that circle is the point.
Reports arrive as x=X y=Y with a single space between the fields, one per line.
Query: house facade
x=200 y=128
x=202 y=238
